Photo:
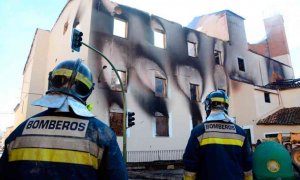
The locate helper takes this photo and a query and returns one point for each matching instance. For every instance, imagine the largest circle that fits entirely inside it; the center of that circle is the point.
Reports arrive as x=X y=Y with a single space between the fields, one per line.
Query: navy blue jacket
x=217 y=150
x=53 y=145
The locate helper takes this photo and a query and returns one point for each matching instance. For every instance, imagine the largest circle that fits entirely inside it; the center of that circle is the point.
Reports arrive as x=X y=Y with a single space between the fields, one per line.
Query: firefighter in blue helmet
x=65 y=141
x=218 y=148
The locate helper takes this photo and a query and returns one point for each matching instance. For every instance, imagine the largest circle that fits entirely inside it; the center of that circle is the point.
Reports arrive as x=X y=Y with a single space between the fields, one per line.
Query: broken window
x=192 y=49
x=218 y=57
x=159 y=39
x=115 y=83
x=116 y=122
x=160 y=87
x=162 y=125
x=120 y=28
x=241 y=64
x=194 y=89
x=267 y=97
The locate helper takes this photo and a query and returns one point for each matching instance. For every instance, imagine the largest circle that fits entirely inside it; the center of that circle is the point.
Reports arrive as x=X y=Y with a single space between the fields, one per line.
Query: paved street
x=172 y=174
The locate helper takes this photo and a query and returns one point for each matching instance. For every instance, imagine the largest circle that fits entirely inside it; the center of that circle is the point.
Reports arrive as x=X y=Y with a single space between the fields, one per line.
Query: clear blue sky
x=20 y=18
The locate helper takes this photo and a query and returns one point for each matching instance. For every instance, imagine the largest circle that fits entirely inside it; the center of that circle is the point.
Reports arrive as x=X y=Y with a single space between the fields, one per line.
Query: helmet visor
x=82 y=85
x=60 y=78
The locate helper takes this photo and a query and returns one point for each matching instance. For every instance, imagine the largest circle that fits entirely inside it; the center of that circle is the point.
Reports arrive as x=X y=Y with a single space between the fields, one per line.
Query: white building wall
x=264 y=108
x=245 y=98
x=290 y=97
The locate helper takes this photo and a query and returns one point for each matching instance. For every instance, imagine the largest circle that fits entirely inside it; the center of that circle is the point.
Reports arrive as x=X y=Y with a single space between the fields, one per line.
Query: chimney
x=277 y=45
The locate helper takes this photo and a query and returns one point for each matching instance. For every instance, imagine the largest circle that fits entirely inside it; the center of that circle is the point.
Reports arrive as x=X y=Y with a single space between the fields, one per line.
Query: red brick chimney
x=276 y=38
x=275 y=46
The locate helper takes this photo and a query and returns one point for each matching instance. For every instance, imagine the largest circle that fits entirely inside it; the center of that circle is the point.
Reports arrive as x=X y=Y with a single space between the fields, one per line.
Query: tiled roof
x=284 y=84
x=285 y=116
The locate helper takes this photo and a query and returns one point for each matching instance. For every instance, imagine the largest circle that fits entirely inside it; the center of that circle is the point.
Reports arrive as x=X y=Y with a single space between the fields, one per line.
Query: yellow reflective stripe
x=48 y=142
x=248 y=178
x=219 y=99
x=62 y=72
x=248 y=175
x=84 y=80
x=223 y=141
x=188 y=175
x=68 y=73
x=53 y=155
x=221 y=135
x=188 y=178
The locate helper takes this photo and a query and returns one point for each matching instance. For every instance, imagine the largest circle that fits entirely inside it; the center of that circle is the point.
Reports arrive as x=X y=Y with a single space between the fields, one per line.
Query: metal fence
x=158 y=155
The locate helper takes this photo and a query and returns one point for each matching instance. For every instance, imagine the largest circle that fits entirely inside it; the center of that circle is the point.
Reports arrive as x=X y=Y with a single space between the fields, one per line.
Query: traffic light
x=131 y=119
x=76 y=40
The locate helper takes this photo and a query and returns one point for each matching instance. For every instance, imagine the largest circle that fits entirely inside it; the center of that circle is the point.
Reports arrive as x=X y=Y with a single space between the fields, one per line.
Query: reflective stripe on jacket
x=217 y=150
x=56 y=145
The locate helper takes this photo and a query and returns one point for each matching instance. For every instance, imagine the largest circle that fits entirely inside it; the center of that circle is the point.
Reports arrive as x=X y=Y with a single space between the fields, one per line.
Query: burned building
x=167 y=70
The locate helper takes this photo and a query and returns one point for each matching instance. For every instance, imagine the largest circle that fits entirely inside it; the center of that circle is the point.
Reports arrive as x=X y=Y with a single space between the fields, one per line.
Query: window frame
x=267 y=97
x=117 y=22
x=194 y=47
x=241 y=64
x=162 y=42
x=271 y=134
x=117 y=85
x=165 y=86
x=218 y=54
x=162 y=132
x=197 y=91
x=118 y=132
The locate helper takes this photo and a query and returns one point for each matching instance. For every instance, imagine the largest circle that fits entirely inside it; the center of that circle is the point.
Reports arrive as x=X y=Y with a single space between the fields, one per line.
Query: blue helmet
x=217 y=100
x=72 y=78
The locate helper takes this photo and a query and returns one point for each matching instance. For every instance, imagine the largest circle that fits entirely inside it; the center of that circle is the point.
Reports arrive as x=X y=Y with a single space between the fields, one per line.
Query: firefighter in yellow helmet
x=65 y=141
x=218 y=148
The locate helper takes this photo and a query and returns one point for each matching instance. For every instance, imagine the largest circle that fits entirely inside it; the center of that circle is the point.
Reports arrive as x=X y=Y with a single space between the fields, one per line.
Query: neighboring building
x=167 y=70
x=5 y=135
x=275 y=44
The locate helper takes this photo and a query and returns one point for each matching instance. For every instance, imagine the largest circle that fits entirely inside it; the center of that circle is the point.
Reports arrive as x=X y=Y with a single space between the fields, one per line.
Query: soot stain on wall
x=139 y=45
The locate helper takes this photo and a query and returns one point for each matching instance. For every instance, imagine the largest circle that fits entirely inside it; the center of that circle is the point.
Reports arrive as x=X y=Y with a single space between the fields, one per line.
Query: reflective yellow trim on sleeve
x=53 y=155
x=248 y=178
x=62 y=72
x=84 y=80
x=222 y=141
x=188 y=175
x=248 y=175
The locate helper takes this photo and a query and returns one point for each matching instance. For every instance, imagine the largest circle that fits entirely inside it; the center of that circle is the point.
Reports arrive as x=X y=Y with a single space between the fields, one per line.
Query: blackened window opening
x=267 y=97
x=241 y=64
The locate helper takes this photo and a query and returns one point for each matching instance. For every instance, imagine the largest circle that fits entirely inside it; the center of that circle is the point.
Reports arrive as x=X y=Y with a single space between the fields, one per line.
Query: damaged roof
x=284 y=84
x=285 y=116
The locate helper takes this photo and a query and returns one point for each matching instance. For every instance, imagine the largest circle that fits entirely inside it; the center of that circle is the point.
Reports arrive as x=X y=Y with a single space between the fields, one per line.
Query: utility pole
x=76 y=43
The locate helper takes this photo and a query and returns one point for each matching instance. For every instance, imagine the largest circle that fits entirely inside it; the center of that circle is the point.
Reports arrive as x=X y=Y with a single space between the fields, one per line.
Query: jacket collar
x=217 y=115
x=63 y=103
